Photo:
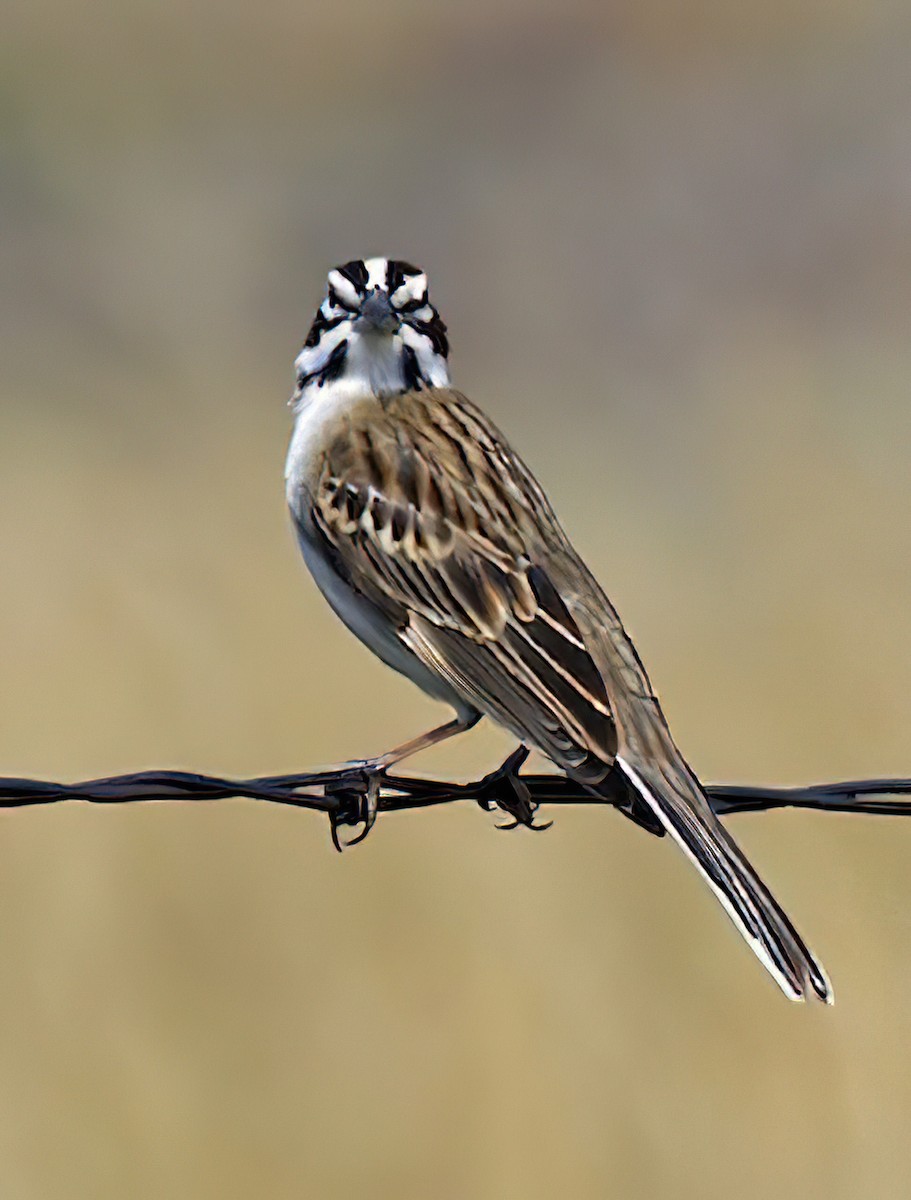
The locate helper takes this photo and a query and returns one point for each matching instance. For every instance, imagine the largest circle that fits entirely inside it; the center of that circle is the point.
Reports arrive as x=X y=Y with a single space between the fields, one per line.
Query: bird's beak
x=377 y=314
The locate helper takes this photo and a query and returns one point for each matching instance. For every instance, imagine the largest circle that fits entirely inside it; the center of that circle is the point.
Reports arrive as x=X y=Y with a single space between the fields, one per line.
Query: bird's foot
x=505 y=789
x=357 y=791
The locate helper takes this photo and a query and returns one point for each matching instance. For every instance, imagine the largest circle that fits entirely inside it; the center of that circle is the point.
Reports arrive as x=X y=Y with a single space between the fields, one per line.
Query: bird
x=436 y=546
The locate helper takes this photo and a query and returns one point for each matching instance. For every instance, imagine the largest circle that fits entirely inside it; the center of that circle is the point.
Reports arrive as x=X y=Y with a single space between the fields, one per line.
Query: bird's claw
x=358 y=798
x=505 y=789
x=535 y=828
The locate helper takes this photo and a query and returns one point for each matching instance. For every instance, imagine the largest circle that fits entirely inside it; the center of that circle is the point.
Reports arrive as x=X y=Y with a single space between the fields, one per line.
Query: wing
x=429 y=514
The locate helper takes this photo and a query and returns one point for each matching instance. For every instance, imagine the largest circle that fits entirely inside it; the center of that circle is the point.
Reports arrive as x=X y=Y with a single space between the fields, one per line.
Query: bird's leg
x=373 y=770
x=433 y=737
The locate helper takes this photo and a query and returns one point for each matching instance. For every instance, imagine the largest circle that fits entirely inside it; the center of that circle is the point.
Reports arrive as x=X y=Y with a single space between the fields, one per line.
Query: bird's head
x=376 y=328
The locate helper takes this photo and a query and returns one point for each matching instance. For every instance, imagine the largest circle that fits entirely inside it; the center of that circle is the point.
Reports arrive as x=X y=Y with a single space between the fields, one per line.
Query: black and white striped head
x=376 y=329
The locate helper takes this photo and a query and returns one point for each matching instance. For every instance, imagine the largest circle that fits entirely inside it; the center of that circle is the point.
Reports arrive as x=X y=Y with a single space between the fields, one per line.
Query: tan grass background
x=673 y=245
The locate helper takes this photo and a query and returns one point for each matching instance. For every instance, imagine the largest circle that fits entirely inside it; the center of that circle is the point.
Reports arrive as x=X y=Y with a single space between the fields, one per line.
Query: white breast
x=320 y=408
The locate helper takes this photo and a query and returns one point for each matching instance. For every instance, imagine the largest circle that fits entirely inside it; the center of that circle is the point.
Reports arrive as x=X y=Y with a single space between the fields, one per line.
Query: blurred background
x=673 y=246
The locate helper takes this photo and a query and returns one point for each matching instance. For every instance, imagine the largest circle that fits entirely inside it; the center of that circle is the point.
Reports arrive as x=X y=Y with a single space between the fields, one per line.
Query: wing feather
x=426 y=514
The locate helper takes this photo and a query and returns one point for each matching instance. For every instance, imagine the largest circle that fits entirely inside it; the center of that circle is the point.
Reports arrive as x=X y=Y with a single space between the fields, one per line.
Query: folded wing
x=423 y=527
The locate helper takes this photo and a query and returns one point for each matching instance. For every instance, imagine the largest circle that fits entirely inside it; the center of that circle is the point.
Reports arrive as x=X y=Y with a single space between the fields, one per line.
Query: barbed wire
x=340 y=792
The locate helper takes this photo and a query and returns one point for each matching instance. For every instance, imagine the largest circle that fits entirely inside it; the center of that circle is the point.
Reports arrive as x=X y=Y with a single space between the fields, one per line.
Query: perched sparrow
x=436 y=546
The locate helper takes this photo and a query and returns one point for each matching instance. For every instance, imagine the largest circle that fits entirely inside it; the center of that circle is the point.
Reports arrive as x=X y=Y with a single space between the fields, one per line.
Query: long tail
x=673 y=794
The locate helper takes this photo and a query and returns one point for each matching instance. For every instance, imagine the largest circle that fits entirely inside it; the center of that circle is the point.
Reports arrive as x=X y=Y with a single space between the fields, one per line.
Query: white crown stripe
x=376 y=272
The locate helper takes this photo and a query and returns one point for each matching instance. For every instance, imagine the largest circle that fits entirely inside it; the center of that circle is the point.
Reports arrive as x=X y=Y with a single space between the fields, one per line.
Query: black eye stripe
x=411 y=306
x=435 y=331
x=355 y=272
x=396 y=273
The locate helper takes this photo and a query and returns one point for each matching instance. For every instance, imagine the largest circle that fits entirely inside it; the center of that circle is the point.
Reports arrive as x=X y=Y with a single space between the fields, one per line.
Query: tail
x=674 y=796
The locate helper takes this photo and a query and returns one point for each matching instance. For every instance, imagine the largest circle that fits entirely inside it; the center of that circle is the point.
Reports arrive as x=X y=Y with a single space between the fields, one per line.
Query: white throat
x=375 y=363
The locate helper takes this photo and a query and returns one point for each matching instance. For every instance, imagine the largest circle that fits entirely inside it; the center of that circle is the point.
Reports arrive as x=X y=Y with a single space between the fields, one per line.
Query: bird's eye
x=410 y=306
x=337 y=301
x=344 y=292
x=410 y=294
